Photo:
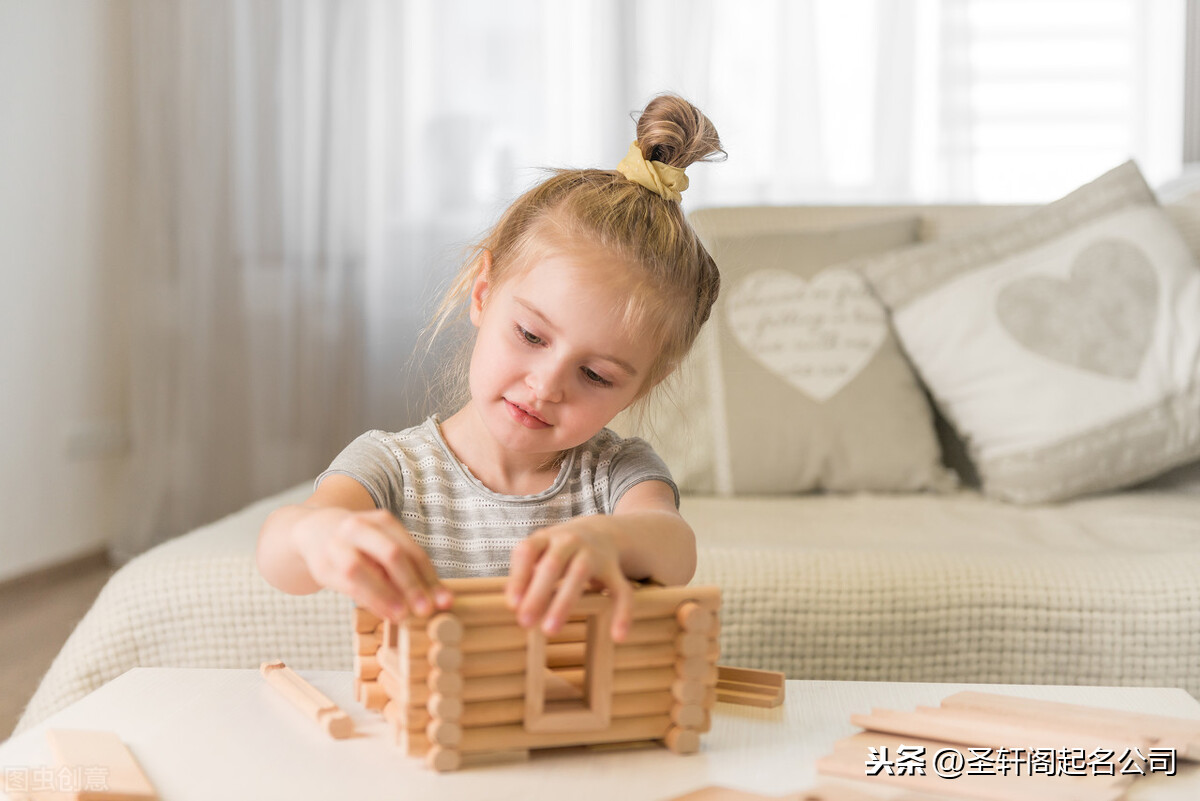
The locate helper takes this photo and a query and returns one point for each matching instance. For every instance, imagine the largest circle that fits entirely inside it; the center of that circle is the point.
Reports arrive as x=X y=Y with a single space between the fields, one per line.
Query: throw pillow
x=797 y=383
x=1064 y=346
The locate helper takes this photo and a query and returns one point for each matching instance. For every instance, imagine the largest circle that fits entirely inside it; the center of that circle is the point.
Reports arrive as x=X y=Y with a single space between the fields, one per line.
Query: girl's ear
x=480 y=286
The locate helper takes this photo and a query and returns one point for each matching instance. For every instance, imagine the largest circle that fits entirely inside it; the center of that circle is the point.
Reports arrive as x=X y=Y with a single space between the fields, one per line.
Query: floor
x=39 y=612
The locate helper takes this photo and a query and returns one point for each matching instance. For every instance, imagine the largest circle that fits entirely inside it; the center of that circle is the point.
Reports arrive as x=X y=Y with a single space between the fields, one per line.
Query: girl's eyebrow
x=625 y=366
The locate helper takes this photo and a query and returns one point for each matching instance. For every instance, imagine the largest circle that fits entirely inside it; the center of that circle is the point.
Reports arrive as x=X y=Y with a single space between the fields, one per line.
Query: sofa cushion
x=1064 y=345
x=797 y=383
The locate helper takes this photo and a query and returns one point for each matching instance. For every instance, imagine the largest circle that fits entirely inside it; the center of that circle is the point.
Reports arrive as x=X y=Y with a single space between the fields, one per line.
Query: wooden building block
x=694 y=618
x=365 y=622
x=444 y=656
x=682 y=741
x=366 y=667
x=444 y=628
x=308 y=699
x=102 y=751
x=372 y=695
x=367 y=643
x=763 y=688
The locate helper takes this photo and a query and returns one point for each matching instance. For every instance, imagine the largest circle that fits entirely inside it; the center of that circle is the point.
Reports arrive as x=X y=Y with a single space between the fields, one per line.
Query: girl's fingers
x=365 y=583
x=551 y=563
x=399 y=558
x=576 y=579
x=522 y=560
x=621 y=592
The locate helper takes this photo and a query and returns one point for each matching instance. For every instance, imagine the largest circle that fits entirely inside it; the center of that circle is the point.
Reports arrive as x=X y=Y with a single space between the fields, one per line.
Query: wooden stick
x=102 y=750
x=308 y=699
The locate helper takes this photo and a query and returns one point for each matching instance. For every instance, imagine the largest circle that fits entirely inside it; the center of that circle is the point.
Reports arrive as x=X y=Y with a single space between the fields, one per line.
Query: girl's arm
x=337 y=539
x=644 y=538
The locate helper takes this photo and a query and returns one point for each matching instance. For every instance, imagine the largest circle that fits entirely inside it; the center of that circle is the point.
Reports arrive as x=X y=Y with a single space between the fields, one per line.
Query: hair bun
x=675 y=132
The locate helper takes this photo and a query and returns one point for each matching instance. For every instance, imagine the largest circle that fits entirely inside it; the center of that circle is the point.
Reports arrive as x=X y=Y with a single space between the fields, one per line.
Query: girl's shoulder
x=608 y=444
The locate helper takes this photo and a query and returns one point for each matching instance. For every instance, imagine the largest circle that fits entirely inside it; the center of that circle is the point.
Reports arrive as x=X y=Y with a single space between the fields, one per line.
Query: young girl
x=587 y=293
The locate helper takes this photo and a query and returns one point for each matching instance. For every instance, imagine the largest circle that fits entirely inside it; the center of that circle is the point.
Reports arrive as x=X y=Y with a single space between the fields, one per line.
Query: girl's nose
x=546 y=383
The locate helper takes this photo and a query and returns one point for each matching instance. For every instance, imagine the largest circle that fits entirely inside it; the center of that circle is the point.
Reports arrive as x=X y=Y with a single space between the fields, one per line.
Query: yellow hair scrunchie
x=664 y=180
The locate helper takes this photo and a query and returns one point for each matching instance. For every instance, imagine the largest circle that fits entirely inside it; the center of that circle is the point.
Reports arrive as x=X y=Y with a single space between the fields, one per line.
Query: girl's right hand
x=371 y=557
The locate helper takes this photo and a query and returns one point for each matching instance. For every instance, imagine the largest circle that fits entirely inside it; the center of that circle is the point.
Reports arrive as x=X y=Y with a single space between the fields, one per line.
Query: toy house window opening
x=569 y=681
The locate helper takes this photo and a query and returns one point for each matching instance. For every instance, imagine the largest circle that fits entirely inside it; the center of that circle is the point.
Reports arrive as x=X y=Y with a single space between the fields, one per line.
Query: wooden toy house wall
x=471 y=684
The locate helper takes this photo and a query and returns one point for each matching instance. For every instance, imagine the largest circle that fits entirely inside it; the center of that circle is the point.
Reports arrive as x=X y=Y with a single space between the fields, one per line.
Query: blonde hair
x=675 y=279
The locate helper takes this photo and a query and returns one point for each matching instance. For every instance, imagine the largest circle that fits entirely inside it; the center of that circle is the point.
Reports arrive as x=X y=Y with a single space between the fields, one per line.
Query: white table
x=206 y=734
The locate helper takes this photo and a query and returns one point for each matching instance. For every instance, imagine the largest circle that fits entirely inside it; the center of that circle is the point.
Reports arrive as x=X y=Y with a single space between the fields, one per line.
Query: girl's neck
x=497 y=468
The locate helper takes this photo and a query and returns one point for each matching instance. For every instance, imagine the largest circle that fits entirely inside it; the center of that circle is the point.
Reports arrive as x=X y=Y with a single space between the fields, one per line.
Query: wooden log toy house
x=470 y=685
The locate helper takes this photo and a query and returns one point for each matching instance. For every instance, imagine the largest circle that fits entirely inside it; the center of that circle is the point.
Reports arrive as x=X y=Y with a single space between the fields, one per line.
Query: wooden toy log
x=656 y=602
x=491 y=688
x=694 y=618
x=102 y=751
x=981 y=728
x=764 y=688
x=491 y=638
x=1181 y=734
x=366 y=644
x=444 y=628
x=365 y=622
x=308 y=699
x=852 y=753
x=372 y=695
x=682 y=741
x=366 y=666
x=512 y=710
x=498 y=738
x=558 y=655
x=445 y=707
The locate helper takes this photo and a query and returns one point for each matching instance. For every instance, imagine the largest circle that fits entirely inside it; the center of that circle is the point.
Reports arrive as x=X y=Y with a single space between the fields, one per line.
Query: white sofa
x=929 y=585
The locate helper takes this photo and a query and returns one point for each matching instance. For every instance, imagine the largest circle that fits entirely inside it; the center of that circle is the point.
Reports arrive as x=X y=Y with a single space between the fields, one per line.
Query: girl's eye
x=595 y=377
x=529 y=337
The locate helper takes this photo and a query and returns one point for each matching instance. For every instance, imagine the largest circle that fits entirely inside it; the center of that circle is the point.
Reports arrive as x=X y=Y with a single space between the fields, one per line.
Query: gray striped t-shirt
x=466 y=528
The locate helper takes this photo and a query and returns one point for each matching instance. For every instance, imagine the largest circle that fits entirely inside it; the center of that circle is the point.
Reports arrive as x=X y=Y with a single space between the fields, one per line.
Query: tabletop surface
x=204 y=734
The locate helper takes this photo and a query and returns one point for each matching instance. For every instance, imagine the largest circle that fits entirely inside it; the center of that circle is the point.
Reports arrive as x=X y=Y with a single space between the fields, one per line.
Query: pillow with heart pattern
x=1064 y=345
x=797 y=382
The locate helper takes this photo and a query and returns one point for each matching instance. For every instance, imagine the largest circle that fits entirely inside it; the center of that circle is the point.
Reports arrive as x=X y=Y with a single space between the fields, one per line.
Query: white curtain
x=247 y=329
x=310 y=172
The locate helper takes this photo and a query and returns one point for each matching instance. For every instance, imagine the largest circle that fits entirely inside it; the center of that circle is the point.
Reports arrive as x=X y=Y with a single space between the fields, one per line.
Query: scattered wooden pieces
x=750 y=687
x=308 y=699
x=1007 y=748
x=1181 y=734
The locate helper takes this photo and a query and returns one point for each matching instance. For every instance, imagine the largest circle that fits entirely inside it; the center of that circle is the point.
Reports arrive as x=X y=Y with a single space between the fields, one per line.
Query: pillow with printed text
x=797 y=382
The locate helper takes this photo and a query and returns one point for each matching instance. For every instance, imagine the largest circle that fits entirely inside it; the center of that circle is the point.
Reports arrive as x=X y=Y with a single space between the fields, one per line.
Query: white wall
x=65 y=157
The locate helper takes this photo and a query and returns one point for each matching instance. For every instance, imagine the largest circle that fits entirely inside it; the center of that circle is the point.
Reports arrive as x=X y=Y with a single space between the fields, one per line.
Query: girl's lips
x=523 y=417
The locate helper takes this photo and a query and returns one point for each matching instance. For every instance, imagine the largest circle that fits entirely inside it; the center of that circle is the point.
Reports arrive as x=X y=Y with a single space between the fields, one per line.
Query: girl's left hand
x=549 y=571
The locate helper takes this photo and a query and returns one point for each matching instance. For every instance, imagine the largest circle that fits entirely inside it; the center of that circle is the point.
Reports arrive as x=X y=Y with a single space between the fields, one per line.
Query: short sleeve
x=634 y=462
x=369 y=461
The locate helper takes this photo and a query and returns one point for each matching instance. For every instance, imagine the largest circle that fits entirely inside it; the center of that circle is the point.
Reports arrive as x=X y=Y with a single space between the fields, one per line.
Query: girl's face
x=554 y=361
